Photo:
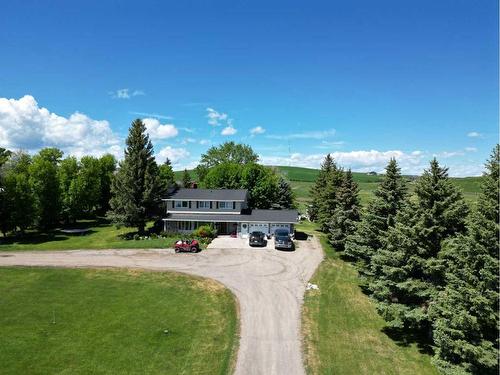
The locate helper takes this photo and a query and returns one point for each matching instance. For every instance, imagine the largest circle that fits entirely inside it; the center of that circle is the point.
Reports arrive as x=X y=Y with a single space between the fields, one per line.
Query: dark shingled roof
x=266 y=216
x=209 y=194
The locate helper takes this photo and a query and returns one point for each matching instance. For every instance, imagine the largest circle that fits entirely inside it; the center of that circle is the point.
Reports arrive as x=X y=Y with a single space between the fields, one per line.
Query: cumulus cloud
x=177 y=156
x=257 y=130
x=228 y=130
x=216 y=118
x=473 y=134
x=304 y=135
x=26 y=125
x=361 y=161
x=125 y=93
x=159 y=131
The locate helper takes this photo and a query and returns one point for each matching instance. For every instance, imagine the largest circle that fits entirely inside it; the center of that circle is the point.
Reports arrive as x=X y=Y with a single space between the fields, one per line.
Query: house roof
x=265 y=216
x=238 y=195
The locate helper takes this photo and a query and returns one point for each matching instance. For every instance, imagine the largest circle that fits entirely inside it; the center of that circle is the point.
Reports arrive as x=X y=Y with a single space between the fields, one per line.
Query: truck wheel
x=177 y=250
x=194 y=249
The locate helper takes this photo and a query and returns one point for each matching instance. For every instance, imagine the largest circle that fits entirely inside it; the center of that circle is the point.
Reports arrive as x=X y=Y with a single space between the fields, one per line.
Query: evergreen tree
x=380 y=215
x=407 y=271
x=167 y=176
x=4 y=212
x=284 y=196
x=319 y=186
x=466 y=311
x=186 y=179
x=346 y=212
x=44 y=182
x=136 y=185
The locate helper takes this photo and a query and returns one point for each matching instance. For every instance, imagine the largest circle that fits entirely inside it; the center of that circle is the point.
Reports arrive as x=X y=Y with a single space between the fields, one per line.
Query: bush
x=137 y=237
x=205 y=231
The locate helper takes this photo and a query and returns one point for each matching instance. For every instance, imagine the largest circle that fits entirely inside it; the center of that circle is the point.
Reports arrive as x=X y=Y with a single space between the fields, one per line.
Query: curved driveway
x=269 y=285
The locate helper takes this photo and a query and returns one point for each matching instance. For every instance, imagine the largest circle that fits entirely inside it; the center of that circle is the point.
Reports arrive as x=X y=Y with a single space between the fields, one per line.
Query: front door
x=244 y=230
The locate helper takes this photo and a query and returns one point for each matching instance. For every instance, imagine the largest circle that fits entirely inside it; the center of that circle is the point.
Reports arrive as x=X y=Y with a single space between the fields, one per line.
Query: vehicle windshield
x=256 y=234
x=281 y=233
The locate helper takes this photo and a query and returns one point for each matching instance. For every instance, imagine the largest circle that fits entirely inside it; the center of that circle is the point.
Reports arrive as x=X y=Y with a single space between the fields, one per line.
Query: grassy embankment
x=342 y=332
x=76 y=321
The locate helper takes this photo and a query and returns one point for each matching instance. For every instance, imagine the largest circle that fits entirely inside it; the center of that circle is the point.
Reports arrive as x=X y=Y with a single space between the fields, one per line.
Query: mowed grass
x=101 y=236
x=85 y=321
x=342 y=332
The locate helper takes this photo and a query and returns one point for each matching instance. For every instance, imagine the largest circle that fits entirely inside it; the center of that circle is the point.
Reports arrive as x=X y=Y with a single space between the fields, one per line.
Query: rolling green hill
x=302 y=179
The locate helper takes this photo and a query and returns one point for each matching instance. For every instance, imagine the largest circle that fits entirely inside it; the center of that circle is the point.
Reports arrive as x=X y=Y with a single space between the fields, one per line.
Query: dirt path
x=269 y=285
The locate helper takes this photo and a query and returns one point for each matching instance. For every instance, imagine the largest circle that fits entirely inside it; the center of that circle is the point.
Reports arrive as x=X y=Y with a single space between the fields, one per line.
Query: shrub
x=205 y=231
x=137 y=237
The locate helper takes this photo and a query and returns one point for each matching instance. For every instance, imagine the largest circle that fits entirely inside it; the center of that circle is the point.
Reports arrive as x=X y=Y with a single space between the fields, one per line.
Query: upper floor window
x=226 y=205
x=181 y=204
x=204 y=204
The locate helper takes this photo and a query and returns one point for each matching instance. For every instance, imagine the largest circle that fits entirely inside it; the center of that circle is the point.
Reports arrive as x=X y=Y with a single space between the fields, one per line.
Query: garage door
x=259 y=227
x=279 y=226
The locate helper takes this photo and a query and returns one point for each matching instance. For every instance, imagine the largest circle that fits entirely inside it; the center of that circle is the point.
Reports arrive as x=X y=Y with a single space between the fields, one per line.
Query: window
x=184 y=225
x=181 y=204
x=204 y=204
x=226 y=205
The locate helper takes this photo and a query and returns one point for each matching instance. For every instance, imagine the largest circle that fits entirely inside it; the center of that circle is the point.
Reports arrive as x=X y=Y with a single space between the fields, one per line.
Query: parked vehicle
x=282 y=239
x=187 y=246
x=257 y=239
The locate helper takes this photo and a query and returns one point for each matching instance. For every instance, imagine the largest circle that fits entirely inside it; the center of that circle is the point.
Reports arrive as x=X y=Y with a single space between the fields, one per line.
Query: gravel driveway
x=269 y=285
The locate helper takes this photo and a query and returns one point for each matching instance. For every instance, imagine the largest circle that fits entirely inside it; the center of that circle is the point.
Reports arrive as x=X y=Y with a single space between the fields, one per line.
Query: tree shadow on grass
x=406 y=337
x=35 y=238
x=301 y=236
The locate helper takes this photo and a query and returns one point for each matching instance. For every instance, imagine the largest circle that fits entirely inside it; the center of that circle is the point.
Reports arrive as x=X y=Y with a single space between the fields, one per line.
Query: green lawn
x=343 y=334
x=102 y=236
x=84 y=321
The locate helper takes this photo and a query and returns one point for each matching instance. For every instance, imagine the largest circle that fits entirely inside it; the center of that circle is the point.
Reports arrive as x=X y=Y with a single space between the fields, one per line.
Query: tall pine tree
x=380 y=215
x=136 y=186
x=284 y=196
x=319 y=186
x=346 y=213
x=408 y=271
x=466 y=311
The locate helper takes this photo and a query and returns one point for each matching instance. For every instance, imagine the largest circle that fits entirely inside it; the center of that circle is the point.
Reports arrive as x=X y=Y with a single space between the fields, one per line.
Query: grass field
x=76 y=321
x=343 y=334
x=101 y=236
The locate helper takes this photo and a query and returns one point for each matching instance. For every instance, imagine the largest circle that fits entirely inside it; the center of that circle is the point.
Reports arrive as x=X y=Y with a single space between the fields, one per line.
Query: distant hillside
x=302 y=180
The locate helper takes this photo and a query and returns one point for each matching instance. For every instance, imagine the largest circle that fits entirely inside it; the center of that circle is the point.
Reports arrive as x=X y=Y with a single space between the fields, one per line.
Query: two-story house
x=227 y=210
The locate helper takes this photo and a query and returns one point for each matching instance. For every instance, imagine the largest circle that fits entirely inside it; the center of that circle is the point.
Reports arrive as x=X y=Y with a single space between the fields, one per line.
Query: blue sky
x=363 y=80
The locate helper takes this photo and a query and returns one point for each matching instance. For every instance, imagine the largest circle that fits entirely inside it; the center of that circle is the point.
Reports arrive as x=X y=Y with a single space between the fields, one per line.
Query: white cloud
x=177 y=156
x=26 y=125
x=470 y=149
x=448 y=154
x=257 y=130
x=473 y=134
x=154 y=115
x=216 y=118
x=188 y=140
x=228 y=130
x=204 y=142
x=305 y=135
x=159 y=131
x=125 y=93
x=361 y=161
x=329 y=144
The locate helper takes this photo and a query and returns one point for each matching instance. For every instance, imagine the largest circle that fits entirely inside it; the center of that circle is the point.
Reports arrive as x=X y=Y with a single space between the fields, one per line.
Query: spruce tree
x=319 y=186
x=466 y=311
x=346 y=213
x=408 y=272
x=167 y=176
x=380 y=215
x=136 y=185
x=186 y=179
x=285 y=197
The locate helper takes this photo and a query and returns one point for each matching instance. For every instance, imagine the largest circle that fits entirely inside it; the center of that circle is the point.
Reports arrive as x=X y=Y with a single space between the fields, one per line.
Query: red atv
x=187 y=246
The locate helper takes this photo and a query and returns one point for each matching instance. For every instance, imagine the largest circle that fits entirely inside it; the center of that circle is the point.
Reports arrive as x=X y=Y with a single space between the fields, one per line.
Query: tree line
x=45 y=190
x=428 y=261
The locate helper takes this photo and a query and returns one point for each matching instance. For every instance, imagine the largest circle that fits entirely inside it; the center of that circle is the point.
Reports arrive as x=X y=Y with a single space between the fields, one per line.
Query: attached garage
x=280 y=226
x=259 y=227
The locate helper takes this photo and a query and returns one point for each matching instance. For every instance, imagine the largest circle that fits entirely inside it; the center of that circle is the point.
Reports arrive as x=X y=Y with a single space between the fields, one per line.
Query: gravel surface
x=269 y=285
